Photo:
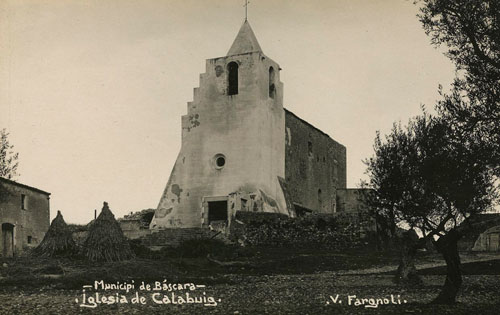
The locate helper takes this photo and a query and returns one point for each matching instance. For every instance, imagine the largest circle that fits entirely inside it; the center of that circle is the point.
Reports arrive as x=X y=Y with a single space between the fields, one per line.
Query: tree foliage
x=8 y=158
x=429 y=176
x=470 y=31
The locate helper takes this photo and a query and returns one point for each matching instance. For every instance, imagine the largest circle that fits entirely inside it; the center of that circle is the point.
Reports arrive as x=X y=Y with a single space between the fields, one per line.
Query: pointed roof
x=245 y=41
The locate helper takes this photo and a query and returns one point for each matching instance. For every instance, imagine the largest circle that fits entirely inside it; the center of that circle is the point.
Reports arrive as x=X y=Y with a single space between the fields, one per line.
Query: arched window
x=272 y=87
x=232 y=78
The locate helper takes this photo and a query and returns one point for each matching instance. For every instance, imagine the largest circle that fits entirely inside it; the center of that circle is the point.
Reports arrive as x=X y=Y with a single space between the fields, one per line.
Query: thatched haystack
x=58 y=240
x=105 y=240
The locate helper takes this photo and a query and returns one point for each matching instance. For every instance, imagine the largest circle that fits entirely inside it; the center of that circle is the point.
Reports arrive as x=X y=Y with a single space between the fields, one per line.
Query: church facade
x=243 y=151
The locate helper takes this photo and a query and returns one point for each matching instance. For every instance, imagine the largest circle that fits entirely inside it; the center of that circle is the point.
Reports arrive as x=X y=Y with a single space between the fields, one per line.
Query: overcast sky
x=92 y=92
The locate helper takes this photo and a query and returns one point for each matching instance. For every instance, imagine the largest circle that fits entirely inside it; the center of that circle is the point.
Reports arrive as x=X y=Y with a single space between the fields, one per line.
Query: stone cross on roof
x=246 y=9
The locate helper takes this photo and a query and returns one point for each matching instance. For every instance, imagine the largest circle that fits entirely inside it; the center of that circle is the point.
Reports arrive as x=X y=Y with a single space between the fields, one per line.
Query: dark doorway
x=301 y=211
x=8 y=240
x=217 y=211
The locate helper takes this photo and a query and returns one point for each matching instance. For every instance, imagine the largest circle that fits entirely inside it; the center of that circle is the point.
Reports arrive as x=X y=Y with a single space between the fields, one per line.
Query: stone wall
x=339 y=230
x=30 y=222
x=130 y=225
x=156 y=239
x=80 y=235
x=315 y=165
x=352 y=199
x=174 y=237
x=136 y=234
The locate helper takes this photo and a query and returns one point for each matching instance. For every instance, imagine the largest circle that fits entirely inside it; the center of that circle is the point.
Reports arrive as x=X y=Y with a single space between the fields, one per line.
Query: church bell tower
x=233 y=145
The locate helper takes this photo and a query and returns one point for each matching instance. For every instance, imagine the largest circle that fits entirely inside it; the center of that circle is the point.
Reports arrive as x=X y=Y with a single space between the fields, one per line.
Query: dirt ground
x=239 y=290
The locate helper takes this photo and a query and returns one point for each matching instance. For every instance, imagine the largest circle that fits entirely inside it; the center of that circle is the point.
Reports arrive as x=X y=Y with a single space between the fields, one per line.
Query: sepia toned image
x=249 y=157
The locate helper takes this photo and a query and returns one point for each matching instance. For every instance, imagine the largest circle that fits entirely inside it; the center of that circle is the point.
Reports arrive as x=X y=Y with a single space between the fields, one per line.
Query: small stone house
x=485 y=236
x=489 y=240
x=24 y=217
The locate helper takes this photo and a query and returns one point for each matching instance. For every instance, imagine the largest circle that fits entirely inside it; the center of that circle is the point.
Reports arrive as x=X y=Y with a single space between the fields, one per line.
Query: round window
x=220 y=161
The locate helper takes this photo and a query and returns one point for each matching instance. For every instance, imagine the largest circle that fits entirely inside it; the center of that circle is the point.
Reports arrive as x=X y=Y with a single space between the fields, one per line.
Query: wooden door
x=494 y=242
x=8 y=239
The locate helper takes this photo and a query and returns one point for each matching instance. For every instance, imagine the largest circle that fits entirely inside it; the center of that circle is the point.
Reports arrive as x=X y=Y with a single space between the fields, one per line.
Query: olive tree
x=433 y=178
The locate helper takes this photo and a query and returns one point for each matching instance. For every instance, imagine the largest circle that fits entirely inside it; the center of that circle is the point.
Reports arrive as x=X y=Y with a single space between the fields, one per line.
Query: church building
x=243 y=151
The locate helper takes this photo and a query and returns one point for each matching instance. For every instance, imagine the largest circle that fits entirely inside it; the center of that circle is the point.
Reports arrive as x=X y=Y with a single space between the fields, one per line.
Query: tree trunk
x=407 y=273
x=386 y=232
x=447 y=246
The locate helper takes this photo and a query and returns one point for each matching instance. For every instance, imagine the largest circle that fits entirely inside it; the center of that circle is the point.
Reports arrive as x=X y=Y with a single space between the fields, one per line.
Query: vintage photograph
x=249 y=157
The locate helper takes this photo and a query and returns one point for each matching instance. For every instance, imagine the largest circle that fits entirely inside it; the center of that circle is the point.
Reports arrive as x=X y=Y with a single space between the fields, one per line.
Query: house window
x=232 y=78
x=310 y=148
x=272 y=87
x=24 y=202
x=29 y=239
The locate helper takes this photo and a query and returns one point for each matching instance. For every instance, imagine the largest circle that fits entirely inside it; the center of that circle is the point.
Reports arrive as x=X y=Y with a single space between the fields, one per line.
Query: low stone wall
x=173 y=237
x=353 y=199
x=136 y=234
x=156 y=239
x=339 y=230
